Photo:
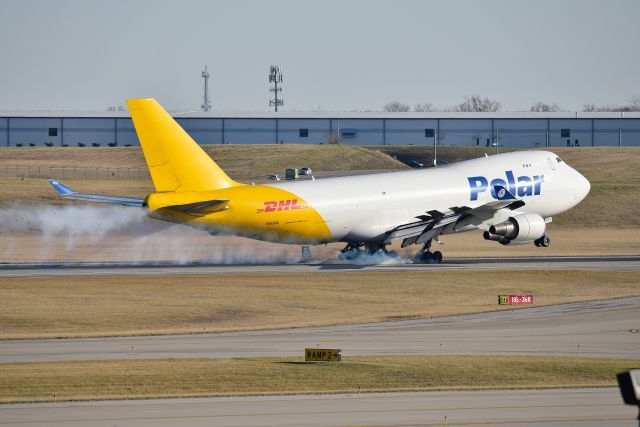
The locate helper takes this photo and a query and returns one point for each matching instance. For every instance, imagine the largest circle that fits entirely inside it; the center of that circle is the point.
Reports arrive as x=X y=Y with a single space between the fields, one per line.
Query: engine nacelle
x=518 y=229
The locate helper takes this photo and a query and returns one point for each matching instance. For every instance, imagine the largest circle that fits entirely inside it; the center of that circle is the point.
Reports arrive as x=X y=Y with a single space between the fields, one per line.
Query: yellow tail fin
x=176 y=162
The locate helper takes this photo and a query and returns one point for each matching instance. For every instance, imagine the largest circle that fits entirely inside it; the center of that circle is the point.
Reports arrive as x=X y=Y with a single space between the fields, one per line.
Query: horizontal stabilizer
x=201 y=208
x=68 y=193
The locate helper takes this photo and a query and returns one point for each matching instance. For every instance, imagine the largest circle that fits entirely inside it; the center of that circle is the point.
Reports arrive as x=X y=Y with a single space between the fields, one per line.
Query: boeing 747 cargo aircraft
x=510 y=196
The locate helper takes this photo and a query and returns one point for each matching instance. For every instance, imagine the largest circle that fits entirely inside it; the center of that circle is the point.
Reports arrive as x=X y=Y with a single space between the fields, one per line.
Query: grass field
x=239 y=161
x=242 y=162
x=117 y=379
x=133 y=305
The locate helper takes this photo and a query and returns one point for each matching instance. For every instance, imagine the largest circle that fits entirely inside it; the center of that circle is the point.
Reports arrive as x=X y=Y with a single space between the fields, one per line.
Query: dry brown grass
x=241 y=161
x=118 y=379
x=614 y=199
x=134 y=305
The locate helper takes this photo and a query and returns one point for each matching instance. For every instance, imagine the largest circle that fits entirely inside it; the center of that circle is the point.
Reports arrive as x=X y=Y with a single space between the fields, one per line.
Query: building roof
x=323 y=115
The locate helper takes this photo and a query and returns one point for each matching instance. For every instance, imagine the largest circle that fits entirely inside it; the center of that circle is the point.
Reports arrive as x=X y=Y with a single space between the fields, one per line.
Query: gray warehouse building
x=509 y=129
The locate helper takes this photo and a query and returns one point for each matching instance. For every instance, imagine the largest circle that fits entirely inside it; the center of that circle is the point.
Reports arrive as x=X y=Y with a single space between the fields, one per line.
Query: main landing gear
x=544 y=241
x=425 y=256
x=353 y=251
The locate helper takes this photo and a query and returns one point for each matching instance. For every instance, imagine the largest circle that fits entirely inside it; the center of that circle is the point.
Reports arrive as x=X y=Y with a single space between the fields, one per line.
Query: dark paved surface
x=577 y=407
x=599 y=329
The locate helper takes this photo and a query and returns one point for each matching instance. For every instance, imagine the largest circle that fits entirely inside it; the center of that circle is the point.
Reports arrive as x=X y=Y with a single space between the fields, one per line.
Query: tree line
x=476 y=103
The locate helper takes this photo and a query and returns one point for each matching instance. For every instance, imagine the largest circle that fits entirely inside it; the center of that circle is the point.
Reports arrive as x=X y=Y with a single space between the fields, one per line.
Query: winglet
x=502 y=193
x=62 y=189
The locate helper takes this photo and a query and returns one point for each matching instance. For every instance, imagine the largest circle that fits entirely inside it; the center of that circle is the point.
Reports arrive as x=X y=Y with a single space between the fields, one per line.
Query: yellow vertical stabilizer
x=176 y=162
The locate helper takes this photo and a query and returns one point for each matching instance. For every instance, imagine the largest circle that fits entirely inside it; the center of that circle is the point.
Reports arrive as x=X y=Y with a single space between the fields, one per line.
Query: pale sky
x=337 y=55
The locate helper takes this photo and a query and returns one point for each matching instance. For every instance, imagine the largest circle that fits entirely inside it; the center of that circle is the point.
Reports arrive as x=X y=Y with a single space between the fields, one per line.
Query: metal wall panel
x=126 y=134
x=367 y=131
x=203 y=131
x=517 y=132
x=614 y=132
x=521 y=133
x=403 y=131
x=289 y=131
x=249 y=131
x=465 y=132
x=580 y=130
x=88 y=132
x=27 y=131
x=4 y=132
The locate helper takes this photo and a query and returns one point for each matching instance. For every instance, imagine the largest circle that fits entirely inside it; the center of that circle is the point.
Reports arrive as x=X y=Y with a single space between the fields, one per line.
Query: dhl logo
x=281 y=205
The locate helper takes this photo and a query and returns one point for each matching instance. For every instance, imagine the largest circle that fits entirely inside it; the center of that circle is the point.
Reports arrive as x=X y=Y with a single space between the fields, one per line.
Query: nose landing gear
x=425 y=256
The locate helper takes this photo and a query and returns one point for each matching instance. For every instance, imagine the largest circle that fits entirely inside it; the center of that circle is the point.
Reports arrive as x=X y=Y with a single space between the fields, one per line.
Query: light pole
x=206 y=101
x=275 y=77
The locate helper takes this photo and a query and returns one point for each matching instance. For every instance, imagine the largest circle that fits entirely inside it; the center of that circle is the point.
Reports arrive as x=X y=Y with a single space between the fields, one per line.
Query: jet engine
x=519 y=229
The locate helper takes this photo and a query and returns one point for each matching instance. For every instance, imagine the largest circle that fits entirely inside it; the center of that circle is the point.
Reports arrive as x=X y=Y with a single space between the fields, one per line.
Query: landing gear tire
x=378 y=251
x=349 y=255
x=425 y=256
x=350 y=252
x=428 y=258
x=544 y=241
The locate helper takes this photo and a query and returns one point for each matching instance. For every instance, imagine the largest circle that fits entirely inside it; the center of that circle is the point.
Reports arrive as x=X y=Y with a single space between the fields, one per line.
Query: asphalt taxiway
x=596 y=329
x=614 y=263
x=571 y=407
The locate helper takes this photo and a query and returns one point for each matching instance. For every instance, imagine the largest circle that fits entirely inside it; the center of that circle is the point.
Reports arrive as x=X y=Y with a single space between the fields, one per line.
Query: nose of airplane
x=583 y=186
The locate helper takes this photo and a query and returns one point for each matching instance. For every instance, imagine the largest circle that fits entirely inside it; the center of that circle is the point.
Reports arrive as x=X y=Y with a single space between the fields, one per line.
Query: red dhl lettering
x=281 y=205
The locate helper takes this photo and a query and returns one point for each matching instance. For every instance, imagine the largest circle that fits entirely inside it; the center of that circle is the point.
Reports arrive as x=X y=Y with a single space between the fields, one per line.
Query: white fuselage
x=365 y=207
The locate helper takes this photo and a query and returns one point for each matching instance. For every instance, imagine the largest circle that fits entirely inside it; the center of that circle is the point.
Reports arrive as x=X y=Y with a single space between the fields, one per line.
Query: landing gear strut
x=425 y=256
x=353 y=251
x=544 y=241
x=379 y=249
x=306 y=253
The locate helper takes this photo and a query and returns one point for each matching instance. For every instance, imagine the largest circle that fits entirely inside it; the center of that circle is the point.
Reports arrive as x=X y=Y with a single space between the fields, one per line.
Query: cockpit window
x=559 y=159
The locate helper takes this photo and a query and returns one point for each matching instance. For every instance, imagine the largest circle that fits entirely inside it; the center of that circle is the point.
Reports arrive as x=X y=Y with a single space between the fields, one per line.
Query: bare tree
x=634 y=105
x=475 y=103
x=424 y=107
x=541 y=107
x=396 y=107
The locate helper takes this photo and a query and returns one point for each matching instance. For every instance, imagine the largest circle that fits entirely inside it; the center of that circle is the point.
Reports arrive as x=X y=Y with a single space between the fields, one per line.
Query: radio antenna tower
x=275 y=77
x=206 y=101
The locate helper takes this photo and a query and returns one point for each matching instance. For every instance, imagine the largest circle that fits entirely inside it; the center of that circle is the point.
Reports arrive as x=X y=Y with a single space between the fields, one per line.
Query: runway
x=573 y=407
x=616 y=263
x=596 y=329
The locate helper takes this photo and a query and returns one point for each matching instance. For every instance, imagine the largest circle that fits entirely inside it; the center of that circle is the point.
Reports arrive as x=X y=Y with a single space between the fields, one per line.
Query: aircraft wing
x=430 y=225
x=68 y=193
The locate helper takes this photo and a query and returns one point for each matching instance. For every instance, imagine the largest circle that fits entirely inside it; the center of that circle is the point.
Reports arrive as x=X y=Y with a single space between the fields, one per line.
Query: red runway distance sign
x=515 y=299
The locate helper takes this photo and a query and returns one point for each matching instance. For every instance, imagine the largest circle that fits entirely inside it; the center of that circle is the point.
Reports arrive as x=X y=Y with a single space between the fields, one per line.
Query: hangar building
x=509 y=129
